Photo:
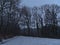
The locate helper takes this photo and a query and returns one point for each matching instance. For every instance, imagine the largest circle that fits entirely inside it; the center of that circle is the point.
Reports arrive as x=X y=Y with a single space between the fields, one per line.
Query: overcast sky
x=32 y=3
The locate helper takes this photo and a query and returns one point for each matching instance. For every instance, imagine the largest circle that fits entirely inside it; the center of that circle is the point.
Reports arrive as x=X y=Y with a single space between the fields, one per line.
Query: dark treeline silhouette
x=37 y=21
x=8 y=18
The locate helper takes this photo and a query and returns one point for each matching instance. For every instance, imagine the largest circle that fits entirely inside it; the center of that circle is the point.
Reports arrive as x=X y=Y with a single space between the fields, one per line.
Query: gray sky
x=38 y=3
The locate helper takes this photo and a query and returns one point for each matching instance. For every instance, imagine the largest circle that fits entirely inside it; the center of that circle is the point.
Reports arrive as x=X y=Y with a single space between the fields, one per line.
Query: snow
x=22 y=40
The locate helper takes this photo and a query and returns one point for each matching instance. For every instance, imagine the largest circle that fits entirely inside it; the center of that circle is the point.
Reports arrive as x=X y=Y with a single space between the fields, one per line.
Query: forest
x=40 y=21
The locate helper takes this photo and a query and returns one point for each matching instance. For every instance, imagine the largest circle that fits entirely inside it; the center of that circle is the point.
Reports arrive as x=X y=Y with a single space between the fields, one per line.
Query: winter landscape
x=29 y=22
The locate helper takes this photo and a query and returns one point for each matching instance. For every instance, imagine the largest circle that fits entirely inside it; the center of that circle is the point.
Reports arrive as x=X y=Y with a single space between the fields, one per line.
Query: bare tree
x=27 y=17
x=38 y=18
x=51 y=12
x=7 y=7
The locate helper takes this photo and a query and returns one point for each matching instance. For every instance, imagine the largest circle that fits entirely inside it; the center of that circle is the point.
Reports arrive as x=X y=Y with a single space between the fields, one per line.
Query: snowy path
x=21 y=40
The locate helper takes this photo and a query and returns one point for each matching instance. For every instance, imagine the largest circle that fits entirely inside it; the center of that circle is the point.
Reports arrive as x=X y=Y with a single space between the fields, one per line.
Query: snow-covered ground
x=22 y=40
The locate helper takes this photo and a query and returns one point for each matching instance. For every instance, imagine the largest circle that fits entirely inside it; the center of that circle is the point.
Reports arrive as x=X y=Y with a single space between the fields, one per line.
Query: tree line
x=37 y=21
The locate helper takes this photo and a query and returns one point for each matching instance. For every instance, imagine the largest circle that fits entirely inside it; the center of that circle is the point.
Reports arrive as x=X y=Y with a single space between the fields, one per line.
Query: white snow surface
x=22 y=40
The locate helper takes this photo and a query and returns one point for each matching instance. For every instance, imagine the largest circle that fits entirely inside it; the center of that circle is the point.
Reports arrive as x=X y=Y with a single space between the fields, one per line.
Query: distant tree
x=26 y=18
x=54 y=12
x=38 y=19
x=51 y=18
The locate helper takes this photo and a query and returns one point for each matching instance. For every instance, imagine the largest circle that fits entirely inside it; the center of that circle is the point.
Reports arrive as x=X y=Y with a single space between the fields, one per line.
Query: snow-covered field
x=22 y=40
